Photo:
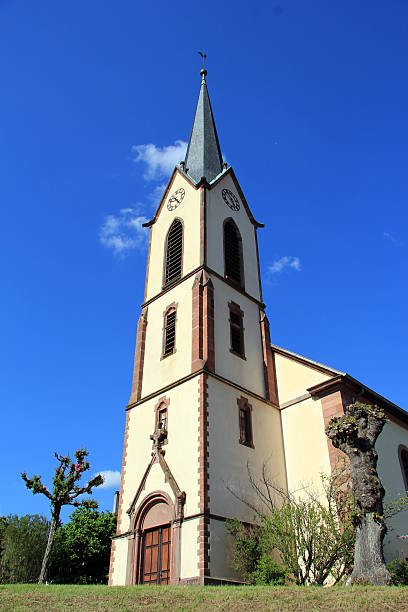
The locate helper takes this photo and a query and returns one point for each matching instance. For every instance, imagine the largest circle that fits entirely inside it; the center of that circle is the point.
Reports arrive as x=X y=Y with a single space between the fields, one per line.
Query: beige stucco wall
x=157 y=372
x=120 y=563
x=217 y=212
x=390 y=473
x=306 y=450
x=249 y=372
x=295 y=378
x=228 y=458
x=189 y=549
x=189 y=212
x=181 y=449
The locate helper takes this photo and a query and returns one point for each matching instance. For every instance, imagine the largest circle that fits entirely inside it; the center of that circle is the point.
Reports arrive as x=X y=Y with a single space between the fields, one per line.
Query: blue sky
x=310 y=101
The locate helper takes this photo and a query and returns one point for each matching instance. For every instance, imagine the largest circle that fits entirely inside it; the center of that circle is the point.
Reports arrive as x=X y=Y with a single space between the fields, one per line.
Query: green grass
x=244 y=598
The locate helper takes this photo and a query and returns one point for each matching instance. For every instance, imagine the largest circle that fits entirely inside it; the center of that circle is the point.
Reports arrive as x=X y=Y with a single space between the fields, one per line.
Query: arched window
x=174 y=252
x=233 y=253
x=403 y=457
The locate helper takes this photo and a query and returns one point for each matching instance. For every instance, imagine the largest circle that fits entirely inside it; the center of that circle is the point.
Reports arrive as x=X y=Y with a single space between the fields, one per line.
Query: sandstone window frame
x=245 y=427
x=237 y=329
x=403 y=460
x=233 y=254
x=169 y=330
x=162 y=409
x=173 y=253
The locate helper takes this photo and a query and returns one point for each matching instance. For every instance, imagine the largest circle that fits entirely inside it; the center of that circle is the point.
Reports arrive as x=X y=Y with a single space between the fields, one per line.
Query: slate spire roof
x=203 y=157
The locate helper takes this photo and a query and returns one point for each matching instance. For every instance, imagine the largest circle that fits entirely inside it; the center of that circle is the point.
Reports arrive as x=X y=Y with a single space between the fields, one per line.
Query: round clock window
x=230 y=199
x=176 y=199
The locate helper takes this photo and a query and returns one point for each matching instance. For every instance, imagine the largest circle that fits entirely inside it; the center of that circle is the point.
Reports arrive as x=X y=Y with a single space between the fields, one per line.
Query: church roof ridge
x=203 y=156
x=307 y=359
x=390 y=406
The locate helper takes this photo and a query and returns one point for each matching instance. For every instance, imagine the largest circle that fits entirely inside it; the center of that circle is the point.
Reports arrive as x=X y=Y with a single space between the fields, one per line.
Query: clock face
x=230 y=199
x=176 y=199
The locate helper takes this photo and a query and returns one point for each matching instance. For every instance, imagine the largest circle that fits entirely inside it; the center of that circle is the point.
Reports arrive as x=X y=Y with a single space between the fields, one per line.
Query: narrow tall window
x=233 y=253
x=169 y=340
x=174 y=252
x=403 y=457
x=245 y=422
x=162 y=418
x=236 y=330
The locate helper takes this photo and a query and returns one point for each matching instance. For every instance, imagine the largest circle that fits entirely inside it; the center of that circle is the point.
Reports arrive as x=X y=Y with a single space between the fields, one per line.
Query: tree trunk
x=46 y=558
x=369 y=566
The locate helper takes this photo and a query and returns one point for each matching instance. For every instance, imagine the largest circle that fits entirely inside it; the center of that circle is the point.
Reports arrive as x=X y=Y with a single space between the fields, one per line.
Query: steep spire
x=203 y=157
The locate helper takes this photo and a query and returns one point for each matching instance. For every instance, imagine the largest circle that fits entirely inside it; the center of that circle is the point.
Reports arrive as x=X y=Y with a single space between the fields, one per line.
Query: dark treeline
x=80 y=553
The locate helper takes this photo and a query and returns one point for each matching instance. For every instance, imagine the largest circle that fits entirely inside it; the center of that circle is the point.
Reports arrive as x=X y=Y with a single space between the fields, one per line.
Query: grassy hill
x=235 y=599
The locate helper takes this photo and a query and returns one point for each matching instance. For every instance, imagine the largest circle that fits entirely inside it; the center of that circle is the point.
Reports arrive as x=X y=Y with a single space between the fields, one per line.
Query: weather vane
x=204 y=56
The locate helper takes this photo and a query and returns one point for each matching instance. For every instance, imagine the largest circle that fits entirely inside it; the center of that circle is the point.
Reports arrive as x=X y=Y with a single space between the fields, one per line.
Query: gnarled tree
x=355 y=433
x=65 y=491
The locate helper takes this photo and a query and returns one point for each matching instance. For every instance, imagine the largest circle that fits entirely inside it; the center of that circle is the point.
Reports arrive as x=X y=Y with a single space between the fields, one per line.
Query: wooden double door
x=156 y=552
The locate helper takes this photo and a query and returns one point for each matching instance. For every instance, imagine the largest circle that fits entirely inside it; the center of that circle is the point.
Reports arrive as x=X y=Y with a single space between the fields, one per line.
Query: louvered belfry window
x=233 y=253
x=236 y=330
x=174 y=252
x=169 y=332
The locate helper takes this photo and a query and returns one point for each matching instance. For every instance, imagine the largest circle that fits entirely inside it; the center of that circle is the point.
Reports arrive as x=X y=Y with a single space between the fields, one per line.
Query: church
x=212 y=395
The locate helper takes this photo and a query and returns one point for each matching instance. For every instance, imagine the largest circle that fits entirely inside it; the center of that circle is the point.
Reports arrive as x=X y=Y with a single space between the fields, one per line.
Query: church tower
x=204 y=403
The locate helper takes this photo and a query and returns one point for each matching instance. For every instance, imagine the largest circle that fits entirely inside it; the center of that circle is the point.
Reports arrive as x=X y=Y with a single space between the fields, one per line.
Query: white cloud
x=285 y=262
x=124 y=232
x=156 y=195
x=111 y=479
x=159 y=161
x=389 y=237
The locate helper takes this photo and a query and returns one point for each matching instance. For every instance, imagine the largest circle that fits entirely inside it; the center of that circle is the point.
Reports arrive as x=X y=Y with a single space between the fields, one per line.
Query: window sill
x=235 y=284
x=238 y=354
x=168 y=354
x=247 y=444
x=173 y=281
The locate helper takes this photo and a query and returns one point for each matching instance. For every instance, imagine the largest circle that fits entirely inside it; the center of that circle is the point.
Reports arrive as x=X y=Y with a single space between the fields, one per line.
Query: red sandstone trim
x=111 y=562
x=208 y=325
x=203 y=530
x=139 y=357
x=163 y=401
x=120 y=507
x=148 y=263
x=333 y=406
x=257 y=262
x=122 y=479
x=271 y=387
x=197 y=325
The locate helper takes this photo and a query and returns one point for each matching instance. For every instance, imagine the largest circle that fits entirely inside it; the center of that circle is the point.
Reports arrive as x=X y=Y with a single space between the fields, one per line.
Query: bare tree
x=355 y=433
x=65 y=491
x=312 y=534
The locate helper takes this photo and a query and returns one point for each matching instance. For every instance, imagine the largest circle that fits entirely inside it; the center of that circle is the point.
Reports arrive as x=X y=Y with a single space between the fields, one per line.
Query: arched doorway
x=156 y=545
x=155 y=539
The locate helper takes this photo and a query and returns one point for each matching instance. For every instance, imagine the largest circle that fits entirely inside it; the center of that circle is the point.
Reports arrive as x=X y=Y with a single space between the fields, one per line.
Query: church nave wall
x=306 y=449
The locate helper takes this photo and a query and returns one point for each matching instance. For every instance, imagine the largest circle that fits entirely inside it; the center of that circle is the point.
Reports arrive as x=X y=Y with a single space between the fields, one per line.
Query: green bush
x=269 y=572
x=82 y=548
x=399 y=572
